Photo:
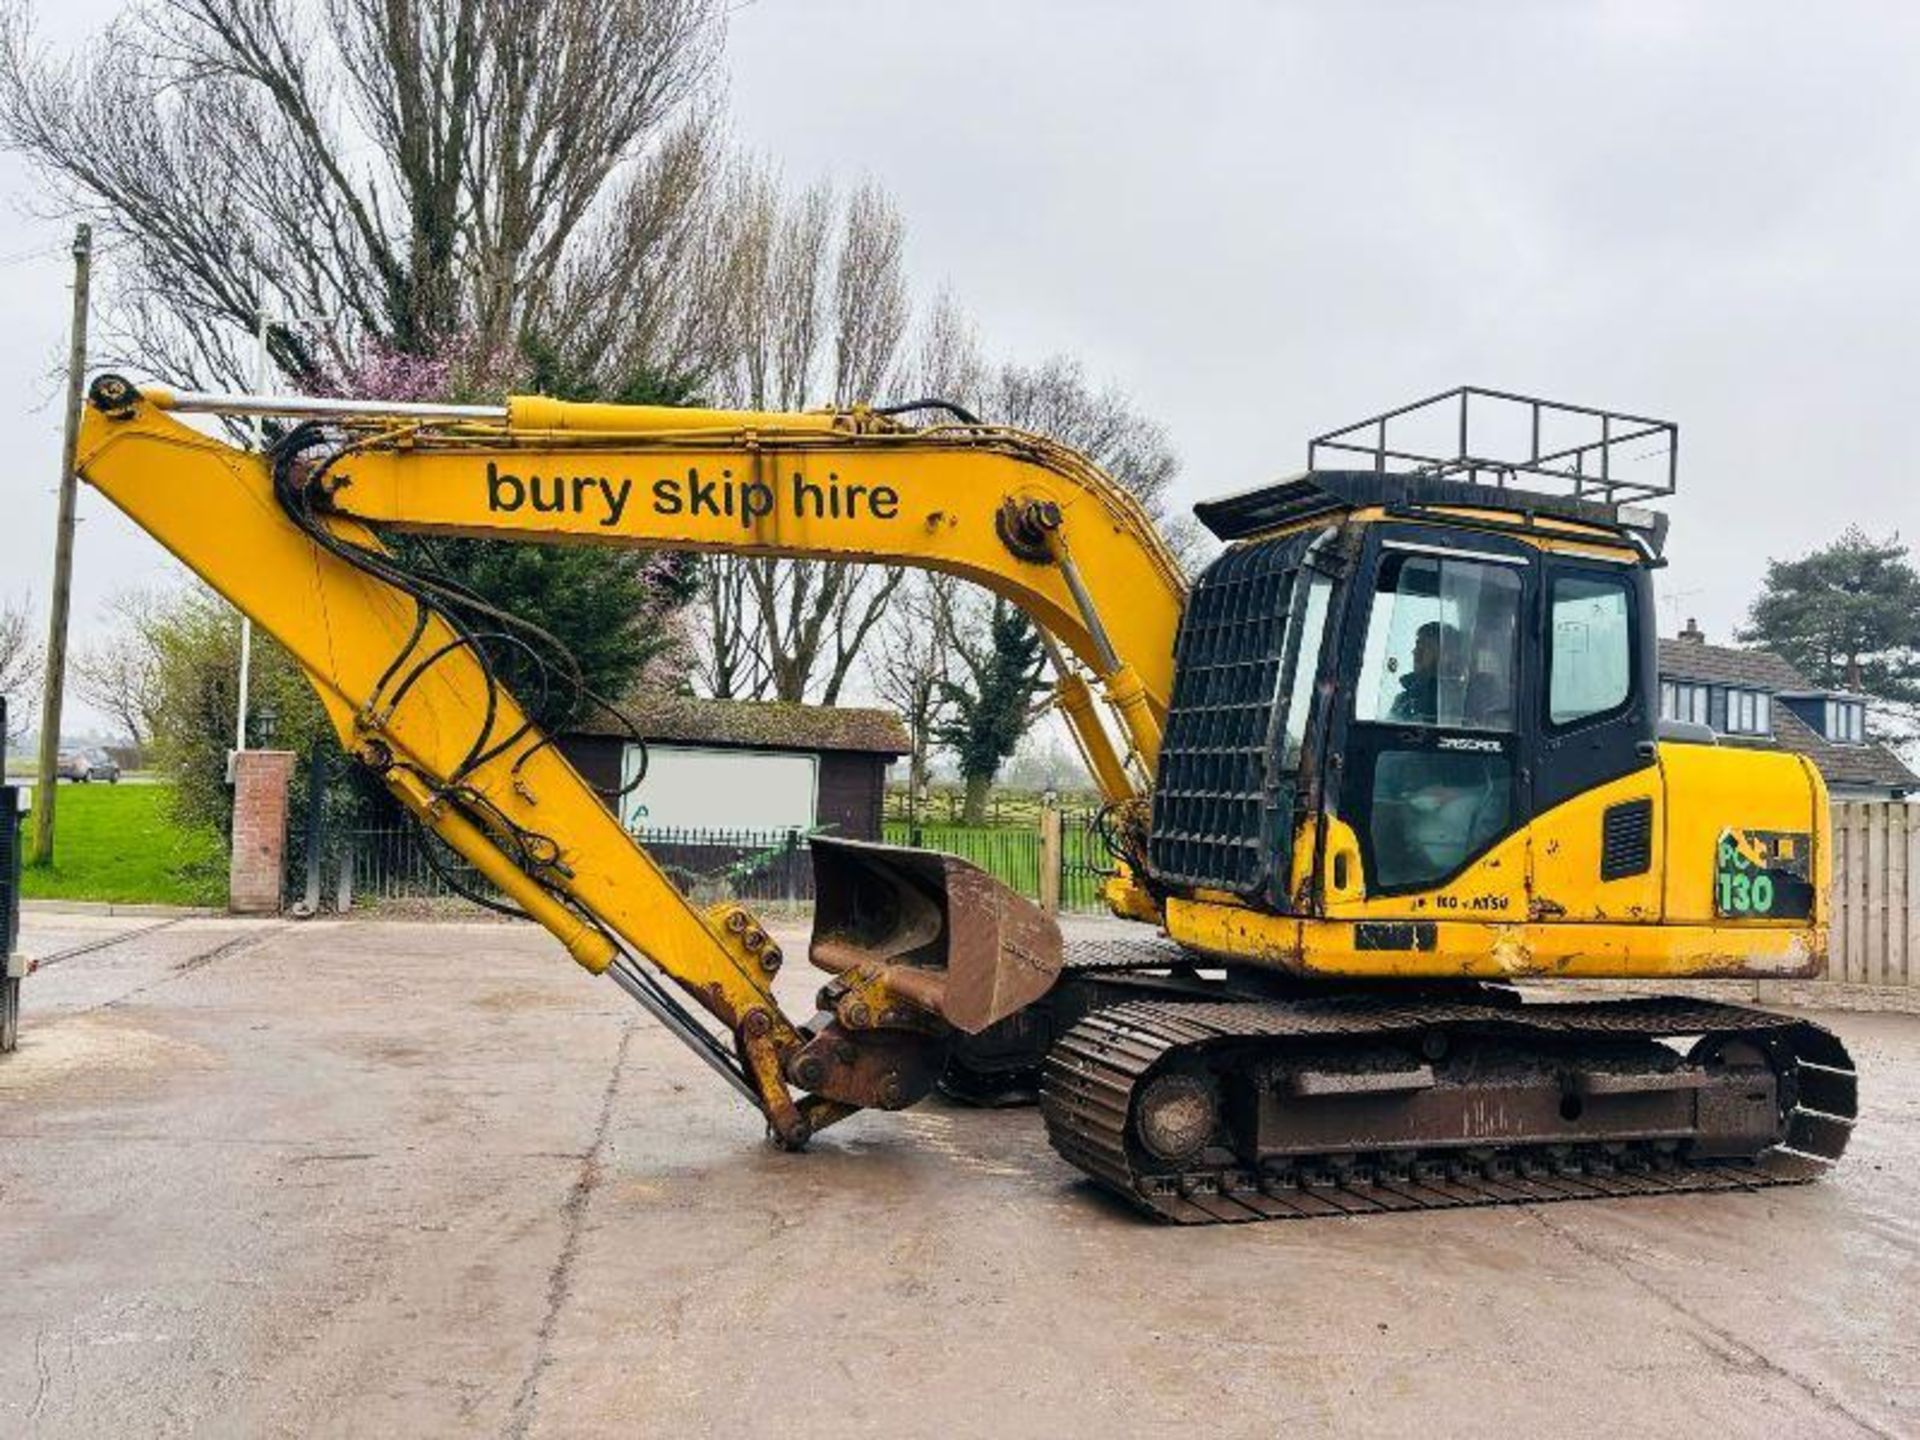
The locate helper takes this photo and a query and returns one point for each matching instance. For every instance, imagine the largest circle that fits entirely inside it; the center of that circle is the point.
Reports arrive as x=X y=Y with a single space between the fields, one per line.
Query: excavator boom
x=404 y=670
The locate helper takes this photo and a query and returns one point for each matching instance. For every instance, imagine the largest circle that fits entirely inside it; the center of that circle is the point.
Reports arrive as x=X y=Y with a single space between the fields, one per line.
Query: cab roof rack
x=1327 y=493
x=1488 y=437
x=1596 y=463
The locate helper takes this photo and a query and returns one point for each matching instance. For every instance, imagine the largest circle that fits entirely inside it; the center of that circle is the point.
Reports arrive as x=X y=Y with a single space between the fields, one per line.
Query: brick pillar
x=256 y=872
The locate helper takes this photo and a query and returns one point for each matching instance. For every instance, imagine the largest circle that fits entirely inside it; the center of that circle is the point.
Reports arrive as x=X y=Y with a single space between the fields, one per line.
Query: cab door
x=1598 y=828
x=1430 y=762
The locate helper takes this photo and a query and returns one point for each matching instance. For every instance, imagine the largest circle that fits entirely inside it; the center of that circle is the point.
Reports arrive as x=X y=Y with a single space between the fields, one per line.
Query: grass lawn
x=117 y=843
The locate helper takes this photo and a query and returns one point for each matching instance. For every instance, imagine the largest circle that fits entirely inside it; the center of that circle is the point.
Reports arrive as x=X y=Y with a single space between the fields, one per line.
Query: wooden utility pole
x=63 y=555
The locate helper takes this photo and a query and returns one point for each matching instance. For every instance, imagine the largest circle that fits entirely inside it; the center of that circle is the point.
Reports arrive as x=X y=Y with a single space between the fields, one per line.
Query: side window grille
x=1626 y=839
x=1210 y=794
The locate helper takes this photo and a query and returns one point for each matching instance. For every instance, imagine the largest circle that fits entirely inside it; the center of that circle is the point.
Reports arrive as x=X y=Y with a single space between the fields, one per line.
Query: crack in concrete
x=42 y=1377
x=574 y=1214
x=224 y=949
x=1731 y=1351
x=46 y=962
x=180 y=968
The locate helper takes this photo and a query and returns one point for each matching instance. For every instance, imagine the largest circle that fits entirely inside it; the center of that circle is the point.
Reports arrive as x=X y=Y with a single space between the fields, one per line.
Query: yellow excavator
x=1395 y=749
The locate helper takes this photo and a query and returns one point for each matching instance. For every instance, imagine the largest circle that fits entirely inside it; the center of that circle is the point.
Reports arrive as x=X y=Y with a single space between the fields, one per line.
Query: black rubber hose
x=908 y=407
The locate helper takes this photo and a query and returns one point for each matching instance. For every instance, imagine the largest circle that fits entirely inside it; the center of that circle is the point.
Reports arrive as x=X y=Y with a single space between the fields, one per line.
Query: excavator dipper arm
x=404 y=670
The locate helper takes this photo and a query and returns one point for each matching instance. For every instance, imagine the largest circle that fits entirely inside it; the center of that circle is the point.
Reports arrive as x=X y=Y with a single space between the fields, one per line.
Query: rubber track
x=1093 y=1071
x=1133 y=952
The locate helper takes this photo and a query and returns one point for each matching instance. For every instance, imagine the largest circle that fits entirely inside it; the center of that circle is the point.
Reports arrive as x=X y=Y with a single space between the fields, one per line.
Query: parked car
x=84 y=765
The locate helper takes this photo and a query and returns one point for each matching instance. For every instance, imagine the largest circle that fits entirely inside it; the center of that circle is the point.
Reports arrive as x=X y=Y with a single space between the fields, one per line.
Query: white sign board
x=690 y=788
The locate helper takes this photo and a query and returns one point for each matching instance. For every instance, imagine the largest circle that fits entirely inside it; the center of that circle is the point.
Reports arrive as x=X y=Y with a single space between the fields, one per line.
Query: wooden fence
x=1875 y=937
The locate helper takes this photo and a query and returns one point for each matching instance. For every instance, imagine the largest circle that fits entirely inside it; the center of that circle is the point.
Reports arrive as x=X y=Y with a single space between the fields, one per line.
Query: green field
x=117 y=843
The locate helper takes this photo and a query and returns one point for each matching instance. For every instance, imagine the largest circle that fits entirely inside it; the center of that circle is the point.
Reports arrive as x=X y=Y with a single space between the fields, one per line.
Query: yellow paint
x=212 y=506
x=1562 y=856
x=1483 y=950
x=854 y=486
x=1076 y=702
x=928 y=498
x=1711 y=788
x=1534 y=903
x=847 y=487
x=1125 y=897
x=1551 y=533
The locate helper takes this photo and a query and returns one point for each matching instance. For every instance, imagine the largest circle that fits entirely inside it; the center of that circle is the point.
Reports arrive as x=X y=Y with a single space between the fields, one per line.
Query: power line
x=38 y=252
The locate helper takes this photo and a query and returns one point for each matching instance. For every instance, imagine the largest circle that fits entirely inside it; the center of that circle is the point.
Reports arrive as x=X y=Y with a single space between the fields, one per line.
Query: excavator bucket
x=946 y=934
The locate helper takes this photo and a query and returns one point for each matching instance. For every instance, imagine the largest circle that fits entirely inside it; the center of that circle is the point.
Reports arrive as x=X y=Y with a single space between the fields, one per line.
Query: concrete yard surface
x=425 y=1179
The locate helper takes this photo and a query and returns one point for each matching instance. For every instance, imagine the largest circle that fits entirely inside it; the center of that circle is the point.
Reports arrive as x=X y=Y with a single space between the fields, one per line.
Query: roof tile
x=768 y=724
x=1869 y=764
x=1724 y=665
x=1695 y=660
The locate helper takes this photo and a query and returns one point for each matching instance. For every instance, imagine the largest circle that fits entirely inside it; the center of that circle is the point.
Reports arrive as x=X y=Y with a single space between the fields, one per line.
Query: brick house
x=735 y=765
x=1754 y=697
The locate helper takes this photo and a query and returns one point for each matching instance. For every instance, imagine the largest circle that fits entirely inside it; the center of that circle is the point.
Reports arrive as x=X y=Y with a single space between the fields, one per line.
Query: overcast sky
x=1266 y=220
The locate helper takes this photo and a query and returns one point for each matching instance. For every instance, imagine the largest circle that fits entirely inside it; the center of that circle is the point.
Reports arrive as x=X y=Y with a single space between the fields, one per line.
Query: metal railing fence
x=399 y=864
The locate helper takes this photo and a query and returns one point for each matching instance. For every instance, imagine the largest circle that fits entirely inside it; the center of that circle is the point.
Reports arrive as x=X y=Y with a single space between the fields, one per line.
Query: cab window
x=1591 y=666
x=1306 y=670
x=1439 y=659
x=1441 y=642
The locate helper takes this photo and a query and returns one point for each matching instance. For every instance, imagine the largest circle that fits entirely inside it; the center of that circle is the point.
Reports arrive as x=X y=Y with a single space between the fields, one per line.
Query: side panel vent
x=1626 y=839
x=1210 y=796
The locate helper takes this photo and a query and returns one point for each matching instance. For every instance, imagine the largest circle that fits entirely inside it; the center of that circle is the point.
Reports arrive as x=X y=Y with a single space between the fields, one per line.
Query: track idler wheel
x=1175 y=1116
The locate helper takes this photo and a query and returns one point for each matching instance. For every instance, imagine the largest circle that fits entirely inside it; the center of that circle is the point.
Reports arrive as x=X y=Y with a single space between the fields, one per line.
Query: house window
x=1748 y=713
x=1847 y=722
x=1684 y=702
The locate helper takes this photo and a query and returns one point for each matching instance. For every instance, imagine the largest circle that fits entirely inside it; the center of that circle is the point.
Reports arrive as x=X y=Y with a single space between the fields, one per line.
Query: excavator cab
x=1415 y=731
x=1369 y=654
x=1413 y=753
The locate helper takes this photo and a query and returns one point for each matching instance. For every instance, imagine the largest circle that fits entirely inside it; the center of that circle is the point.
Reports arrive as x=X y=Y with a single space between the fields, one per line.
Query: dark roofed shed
x=852 y=747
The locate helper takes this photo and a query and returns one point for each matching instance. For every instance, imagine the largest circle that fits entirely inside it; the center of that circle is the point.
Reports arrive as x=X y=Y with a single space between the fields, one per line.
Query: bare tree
x=779 y=248
x=646 y=286
x=946 y=363
x=1055 y=399
x=116 y=677
x=821 y=312
x=415 y=169
x=119 y=675
x=995 y=692
x=870 y=308
x=913 y=664
x=727 y=664
x=21 y=663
